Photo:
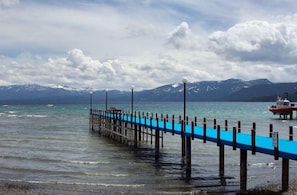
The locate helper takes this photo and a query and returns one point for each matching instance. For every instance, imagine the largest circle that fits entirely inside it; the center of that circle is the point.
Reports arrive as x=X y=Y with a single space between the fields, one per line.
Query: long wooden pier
x=135 y=129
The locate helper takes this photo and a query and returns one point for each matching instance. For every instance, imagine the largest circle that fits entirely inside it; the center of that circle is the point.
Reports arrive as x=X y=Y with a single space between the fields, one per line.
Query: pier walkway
x=118 y=124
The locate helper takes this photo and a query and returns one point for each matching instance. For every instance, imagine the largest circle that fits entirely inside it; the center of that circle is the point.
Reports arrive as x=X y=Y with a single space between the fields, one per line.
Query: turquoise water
x=53 y=144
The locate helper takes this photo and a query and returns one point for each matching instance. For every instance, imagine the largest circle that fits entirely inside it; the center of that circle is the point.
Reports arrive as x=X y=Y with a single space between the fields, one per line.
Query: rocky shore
x=273 y=189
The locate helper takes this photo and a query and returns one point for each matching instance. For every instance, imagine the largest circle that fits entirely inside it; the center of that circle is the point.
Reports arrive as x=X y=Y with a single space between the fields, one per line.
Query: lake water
x=42 y=145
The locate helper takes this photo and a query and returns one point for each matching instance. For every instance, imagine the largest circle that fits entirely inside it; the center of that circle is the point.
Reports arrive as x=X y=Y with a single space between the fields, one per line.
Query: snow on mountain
x=227 y=90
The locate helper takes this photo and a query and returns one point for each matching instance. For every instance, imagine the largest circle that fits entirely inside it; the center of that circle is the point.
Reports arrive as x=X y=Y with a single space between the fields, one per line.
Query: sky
x=116 y=44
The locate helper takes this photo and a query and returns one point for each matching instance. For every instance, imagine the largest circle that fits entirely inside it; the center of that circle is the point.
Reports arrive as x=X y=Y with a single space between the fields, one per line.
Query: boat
x=283 y=107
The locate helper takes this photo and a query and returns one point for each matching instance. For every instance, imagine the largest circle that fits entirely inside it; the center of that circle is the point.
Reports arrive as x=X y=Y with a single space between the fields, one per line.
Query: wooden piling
x=188 y=156
x=275 y=144
x=253 y=141
x=218 y=135
x=135 y=136
x=234 y=138
x=162 y=136
x=221 y=152
x=183 y=150
x=125 y=126
x=165 y=121
x=222 y=160
x=243 y=170
x=270 y=130
x=92 y=127
x=172 y=124
x=204 y=130
x=226 y=125
x=192 y=128
x=151 y=127
x=285 y=166
x=139 y=127
x=285 y=174
x=291 y=133
x=157 y=140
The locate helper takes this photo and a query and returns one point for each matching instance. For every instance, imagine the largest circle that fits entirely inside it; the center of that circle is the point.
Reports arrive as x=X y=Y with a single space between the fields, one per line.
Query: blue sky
x=145 y=43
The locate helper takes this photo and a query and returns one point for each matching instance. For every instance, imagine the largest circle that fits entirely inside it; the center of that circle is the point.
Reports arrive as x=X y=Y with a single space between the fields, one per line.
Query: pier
x=142 y=128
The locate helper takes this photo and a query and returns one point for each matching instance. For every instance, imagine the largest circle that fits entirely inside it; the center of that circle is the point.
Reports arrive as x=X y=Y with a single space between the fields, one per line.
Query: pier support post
x=183 y=139
x=285 y=166
x=135 y=135
x=157 y=141
x=221 y=152
x=222 y=160
x=243 y=170
x=139 y=127
x=204 y=130
x=285 y=174
x=238 y=126
x=188 y=157
x=91 y=116
x=270 y=130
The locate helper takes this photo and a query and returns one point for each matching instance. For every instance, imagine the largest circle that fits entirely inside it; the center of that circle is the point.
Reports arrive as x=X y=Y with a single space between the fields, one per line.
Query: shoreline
x=273 y=188
x=22 y=187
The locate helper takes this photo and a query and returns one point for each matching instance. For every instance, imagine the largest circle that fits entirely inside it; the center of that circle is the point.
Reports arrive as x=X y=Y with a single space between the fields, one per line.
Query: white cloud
x=9 y=3
x=258 y=41
x=145 y=44
x=181 y=36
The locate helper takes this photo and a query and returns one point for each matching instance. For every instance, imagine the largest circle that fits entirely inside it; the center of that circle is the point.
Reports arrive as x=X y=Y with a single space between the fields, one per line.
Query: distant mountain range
x=227 y=90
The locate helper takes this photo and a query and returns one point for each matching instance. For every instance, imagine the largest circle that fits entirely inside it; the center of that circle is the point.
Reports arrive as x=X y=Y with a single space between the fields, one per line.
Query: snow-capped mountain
x=227 y=90
x=204 y=90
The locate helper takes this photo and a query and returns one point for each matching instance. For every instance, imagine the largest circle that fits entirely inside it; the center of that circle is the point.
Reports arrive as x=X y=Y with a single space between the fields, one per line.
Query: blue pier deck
x=286 y=148
x=115 y=124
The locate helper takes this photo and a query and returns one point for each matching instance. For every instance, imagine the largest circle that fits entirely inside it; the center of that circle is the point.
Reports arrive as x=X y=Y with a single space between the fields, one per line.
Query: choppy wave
x=36 y=116
x=271 y=164
x=106 y=174
x=88 y=162
x=60 y=149
x=75 y=183
x=12 y=115
x=18 y=115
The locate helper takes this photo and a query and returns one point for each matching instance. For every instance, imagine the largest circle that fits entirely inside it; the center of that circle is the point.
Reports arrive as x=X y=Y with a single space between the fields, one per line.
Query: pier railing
x=136 y=129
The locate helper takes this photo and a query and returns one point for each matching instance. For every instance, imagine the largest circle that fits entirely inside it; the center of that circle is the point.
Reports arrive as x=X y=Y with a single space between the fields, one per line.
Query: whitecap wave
x=106 y=174
x=271 y=164
x=75 y=183
x=88 y=162
x=36 y=116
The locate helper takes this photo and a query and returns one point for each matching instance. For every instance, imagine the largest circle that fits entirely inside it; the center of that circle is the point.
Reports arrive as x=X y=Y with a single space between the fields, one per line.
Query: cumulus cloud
x=80 y=69
x=182 y=37
x=77 y=69
x=120 y=44
x=257 y=41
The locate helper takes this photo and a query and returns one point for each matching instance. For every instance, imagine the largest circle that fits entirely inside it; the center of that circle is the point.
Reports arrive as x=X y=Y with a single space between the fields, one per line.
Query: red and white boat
x=283 y=107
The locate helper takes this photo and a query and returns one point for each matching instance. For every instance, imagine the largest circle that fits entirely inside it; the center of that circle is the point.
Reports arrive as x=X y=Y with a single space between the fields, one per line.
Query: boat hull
x=282 y=110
